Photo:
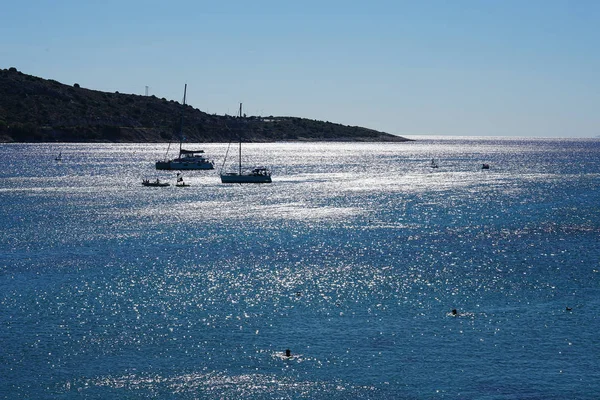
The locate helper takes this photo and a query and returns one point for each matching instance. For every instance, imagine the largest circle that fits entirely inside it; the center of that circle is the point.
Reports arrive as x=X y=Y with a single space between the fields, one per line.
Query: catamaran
x=188 y=159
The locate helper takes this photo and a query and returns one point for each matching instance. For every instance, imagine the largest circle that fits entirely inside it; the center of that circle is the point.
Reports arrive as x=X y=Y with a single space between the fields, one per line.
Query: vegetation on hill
x=33 y=109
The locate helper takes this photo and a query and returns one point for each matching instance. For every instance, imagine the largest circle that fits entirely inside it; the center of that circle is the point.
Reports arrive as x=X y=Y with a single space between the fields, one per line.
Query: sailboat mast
x=181 y=124
x=240 y=155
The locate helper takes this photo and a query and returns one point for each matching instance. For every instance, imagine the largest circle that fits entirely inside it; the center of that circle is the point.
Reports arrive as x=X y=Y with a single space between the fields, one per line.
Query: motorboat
x=156 y=183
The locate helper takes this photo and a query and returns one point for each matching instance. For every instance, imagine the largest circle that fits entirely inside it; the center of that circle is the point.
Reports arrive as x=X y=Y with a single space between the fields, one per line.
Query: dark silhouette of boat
x=156 y=183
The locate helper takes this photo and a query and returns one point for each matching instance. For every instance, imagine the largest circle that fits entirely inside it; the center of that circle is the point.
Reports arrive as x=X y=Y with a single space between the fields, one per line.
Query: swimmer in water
x=454 y=312
x=288 y=353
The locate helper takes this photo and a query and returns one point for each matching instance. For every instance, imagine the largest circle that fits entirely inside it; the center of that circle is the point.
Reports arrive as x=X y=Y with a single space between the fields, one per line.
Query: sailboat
x=188 y=159
x=256 y=175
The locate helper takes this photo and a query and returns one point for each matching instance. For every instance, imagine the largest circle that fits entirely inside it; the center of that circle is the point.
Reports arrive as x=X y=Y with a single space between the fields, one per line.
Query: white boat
x=255 y=175
x=187 y=159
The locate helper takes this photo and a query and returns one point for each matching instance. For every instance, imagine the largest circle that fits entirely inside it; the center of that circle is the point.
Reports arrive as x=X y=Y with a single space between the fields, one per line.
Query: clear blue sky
x=493 y=68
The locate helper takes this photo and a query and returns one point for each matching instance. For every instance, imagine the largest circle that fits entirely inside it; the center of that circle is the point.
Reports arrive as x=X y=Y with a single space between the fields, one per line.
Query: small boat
x=256 y=175
x=187 y=159
x=156 y=183
x=485 y=166
x=180 y=182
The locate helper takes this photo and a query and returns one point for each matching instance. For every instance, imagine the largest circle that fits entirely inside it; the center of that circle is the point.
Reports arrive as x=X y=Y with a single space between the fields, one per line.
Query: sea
x=354 y=259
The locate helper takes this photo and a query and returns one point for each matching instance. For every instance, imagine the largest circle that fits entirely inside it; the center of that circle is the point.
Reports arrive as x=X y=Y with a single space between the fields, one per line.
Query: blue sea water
x=353 y=258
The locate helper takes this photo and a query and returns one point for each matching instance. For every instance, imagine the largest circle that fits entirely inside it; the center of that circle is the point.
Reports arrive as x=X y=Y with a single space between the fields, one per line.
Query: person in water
x=288 y=353
x=454 y=312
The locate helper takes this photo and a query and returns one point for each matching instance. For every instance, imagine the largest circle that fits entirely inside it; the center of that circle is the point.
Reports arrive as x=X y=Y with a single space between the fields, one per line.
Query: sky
x=527 y=68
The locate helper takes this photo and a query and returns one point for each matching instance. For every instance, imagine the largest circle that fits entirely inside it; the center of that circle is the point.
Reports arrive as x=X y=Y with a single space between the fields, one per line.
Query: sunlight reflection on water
x=353 y=257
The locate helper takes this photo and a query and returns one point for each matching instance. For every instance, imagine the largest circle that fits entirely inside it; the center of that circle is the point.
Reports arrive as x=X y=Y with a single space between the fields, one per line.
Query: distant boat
x=188 y=159
x=433 y=163
x=156 y=183
x=59 y=157
x=256 y=175
x=180 y=182
x=485 y=166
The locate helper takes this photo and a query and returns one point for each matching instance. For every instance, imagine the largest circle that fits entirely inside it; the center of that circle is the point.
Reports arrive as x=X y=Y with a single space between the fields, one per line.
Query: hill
x=34 y=109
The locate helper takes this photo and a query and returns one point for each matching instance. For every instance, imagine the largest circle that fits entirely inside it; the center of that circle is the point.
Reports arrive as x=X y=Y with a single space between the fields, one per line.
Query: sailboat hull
x=237 y=178
x=175 y=165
